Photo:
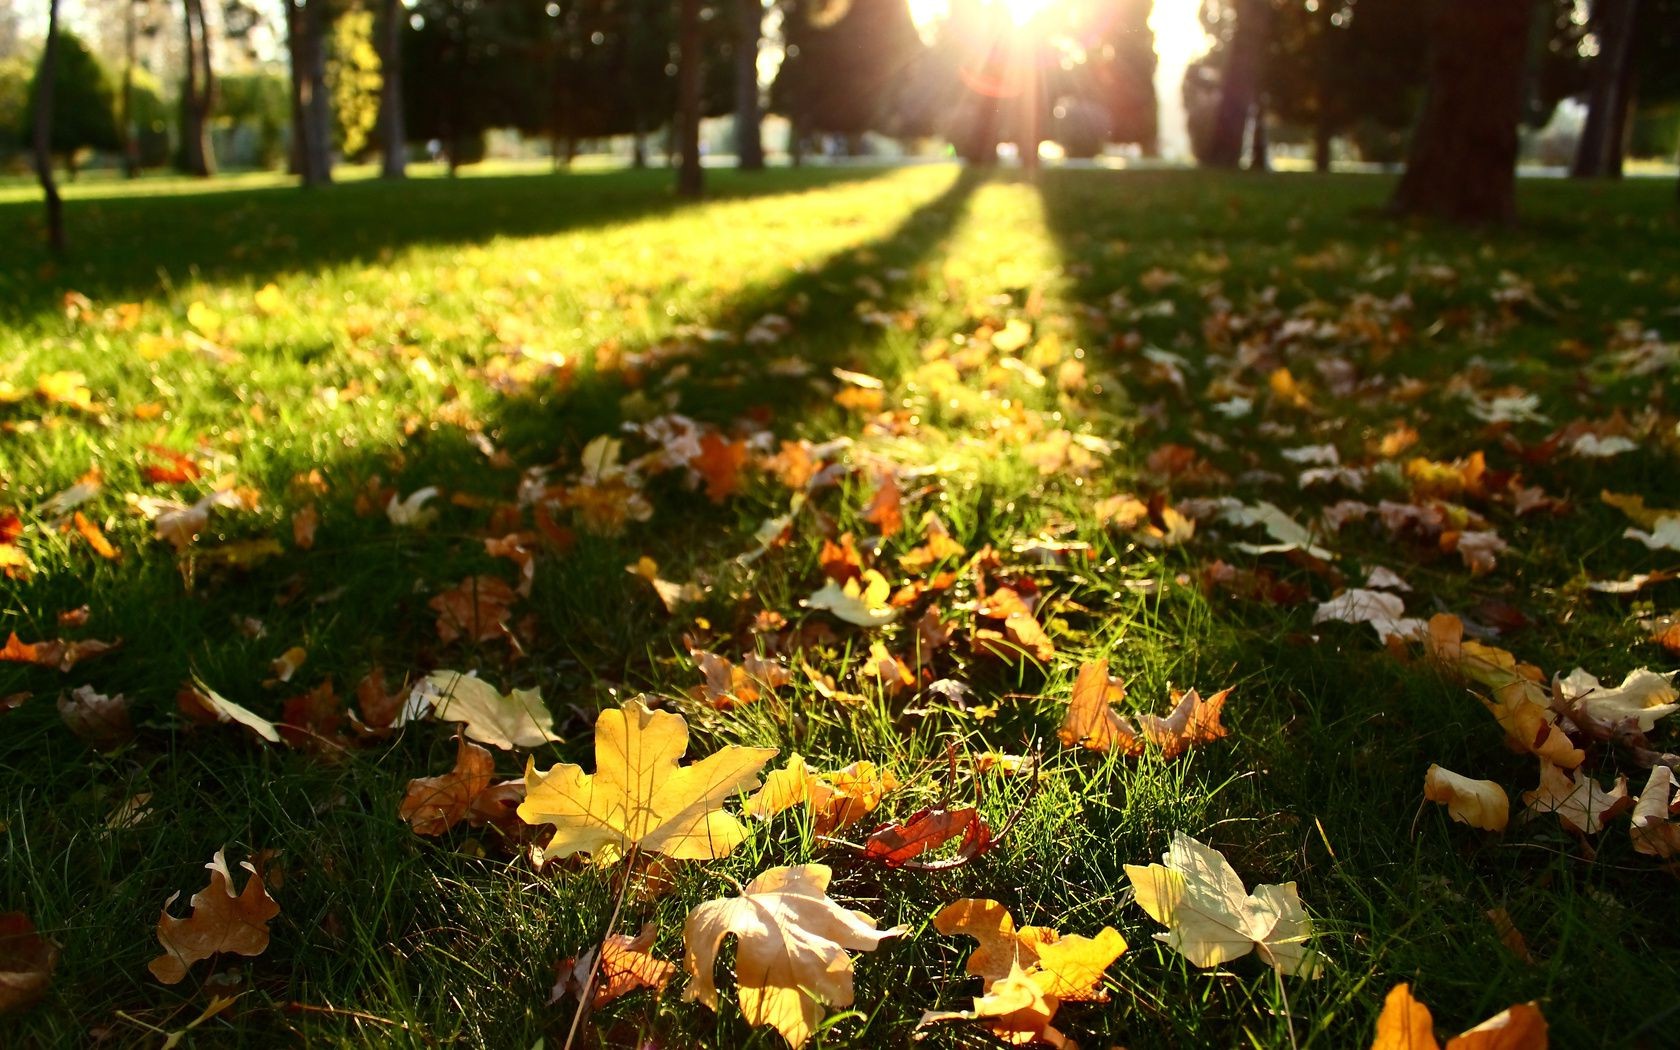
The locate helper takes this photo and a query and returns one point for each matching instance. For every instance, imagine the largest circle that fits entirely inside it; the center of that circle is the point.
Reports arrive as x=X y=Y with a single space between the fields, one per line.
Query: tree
x=1463 y=157
x=393 y=137
x=691 y=180
x=1240 y=77
x=1598 y=154
x=1120 y=69
x=82 y=107
x=260 y=102
x=198 y=92
x=749 y=136
x=307 y=22
x=43 y=92
x=847 y=68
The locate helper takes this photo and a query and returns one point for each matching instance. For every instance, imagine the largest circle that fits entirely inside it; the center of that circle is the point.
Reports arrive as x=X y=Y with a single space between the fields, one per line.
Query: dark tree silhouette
x=393 y=136
x=1463 y=157
x=749 y=133
x=691 y=180
x=198 y=92
x=45 y=81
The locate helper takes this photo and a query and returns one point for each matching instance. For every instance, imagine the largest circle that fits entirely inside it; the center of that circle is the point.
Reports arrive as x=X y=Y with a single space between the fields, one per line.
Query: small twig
x=339 y=1011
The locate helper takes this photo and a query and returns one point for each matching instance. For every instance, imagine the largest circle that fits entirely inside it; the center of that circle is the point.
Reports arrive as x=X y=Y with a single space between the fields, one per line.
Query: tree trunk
x=1259 y=148
x=198 y=157
x=1240 y=82
x=749 y=131
x=1032 y=130
x=311 y=112
x=45 y=80
x=691 y=179
x=393 y=135
x=1597 y=153
x=1462 y=164
x=125 y=124
x=1322 y=139
x=638 y=147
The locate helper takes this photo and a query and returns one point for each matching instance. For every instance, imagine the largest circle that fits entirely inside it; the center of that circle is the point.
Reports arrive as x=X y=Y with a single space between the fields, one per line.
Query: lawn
x=1010 y=359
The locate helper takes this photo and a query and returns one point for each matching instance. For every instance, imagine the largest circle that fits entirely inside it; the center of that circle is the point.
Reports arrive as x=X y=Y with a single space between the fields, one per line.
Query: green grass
x=402 y=308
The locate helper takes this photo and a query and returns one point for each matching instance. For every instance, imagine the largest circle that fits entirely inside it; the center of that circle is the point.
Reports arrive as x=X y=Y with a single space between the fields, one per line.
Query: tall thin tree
x=749 y=132
x=198 y=93
x=45 y=78
x=393 y=137
x=691 y=179
x=1598 y=154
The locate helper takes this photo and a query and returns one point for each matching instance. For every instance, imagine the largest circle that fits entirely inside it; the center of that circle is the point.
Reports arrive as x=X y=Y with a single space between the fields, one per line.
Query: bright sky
x=1179 y=39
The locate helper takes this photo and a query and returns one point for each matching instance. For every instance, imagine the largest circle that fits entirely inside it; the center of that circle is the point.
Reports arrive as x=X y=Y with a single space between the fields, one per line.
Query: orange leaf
x=720 y=462
x=95 y=538
x=886 y=510
x=896 y=845
x=626 y=965
x=26 y=962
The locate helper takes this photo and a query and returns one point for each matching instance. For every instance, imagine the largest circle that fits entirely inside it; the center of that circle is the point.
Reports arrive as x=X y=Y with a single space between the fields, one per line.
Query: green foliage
x=84 y=107
x=15 y=75
x=261 y=101
x=354 y=80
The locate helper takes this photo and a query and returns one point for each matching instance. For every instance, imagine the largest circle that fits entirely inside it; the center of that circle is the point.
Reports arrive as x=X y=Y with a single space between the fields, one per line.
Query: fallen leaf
x=99 y=721
x=202 y=703
x=53 y=653
x=220 y=922
x=861 y=601
x=1643 y=697
x=433 y=805
x=94 y=536
x=1091 y=721
x=1212 y=919
x=791 y=956
x=886 y=510
x=1014 y=1008
x=836 y=800
x=1406 y=1024
x=1577 y=799
x=475 y=609
x=27 y=961
x=638 y=796
x=1385 y=612
x=1478 y=803
x=513 y=720
x=719 y=462
x=1065 y=968
x=897 y=845
x=1654 y=834
x=627 y=963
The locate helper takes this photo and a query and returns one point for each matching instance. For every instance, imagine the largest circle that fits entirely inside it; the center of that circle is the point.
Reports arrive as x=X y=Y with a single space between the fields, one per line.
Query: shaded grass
x=450 y=942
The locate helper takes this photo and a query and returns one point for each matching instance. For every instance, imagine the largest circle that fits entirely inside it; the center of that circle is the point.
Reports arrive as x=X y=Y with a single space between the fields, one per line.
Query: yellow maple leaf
x=638 y=795
x=1478 y=803
x=1212 y=919
x=1063 y=967
x=791 y=949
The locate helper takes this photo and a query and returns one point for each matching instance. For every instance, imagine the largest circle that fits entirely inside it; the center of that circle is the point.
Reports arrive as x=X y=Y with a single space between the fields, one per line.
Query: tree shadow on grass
x=127 y=248
x=357 y=597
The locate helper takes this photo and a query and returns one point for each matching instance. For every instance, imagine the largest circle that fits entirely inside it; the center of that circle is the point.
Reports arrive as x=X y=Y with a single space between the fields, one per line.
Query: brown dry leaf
x=99 y=721
x=837 y=800
x=433 y=805
x=305 y=521
x=287 y=663
x=1478 y=803
x=1406 y=1024
x=1579 y=802
x=886 y=509
x=937 y=546
x=791 y=956
x=475 y=609
x=626 y=965
x=1509 y=935
x=26 y=962
x=1654 y=833
x=220 y=922
x=378 y=708
x=1021 y=630
x=1092 y=722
